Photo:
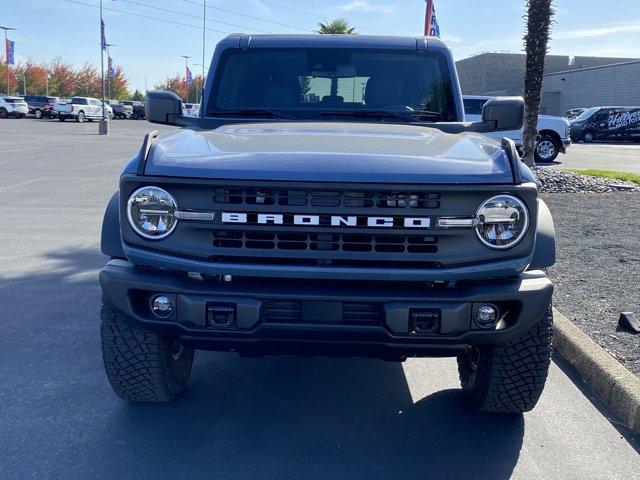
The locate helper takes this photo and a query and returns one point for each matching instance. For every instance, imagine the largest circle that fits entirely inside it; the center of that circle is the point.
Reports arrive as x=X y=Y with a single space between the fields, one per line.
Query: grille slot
x=291 y=311
x=325 y=242
x=327 y=198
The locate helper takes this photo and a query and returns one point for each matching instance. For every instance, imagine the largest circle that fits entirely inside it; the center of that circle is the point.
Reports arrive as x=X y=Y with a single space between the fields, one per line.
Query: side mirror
x=163 y=107
x=505 y=113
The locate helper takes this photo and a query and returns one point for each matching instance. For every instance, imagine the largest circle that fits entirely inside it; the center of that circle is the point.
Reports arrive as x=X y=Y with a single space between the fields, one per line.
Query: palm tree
x=539 y=13
x=338 y=26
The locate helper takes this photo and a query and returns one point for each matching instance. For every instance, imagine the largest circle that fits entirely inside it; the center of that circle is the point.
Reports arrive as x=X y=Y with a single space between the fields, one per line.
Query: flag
x=111 y=71
x=189 y=77
x=10 y=47
x=431 y=27
x=103 y=38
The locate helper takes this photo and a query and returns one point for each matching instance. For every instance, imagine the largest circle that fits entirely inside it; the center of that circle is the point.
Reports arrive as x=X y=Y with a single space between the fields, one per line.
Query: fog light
x=161 y=306
x=486 y=316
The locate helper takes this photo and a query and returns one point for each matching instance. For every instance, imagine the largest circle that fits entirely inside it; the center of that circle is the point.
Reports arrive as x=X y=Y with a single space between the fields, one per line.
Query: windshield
x=307 y=83
x=586 y=114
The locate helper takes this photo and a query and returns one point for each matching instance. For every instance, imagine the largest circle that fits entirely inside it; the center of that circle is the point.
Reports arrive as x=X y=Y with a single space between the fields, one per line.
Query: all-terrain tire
x=509 y=377
x=142 y=366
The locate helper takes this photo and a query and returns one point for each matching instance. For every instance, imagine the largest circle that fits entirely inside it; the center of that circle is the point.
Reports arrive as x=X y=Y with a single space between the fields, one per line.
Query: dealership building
x=569 y=82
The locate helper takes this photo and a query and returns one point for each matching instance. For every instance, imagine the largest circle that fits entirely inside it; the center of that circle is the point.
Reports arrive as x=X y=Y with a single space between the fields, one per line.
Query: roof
x=576 y=70
x=337 y=41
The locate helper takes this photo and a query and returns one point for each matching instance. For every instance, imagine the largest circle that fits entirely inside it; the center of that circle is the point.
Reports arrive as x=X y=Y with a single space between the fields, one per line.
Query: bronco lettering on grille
x=325 y=220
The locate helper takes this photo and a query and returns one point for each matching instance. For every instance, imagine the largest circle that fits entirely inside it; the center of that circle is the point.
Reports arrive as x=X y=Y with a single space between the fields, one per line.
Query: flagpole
x=186 y=85
x=6 y=46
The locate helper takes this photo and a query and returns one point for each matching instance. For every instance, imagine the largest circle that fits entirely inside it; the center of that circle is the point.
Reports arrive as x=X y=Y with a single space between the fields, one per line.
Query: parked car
x=190 y=109
x=621 y=123
x=574 y=112
x=554 y=131
x=13 y=107
x=120 y=110
x=40 y=105
x=138 y=109
x=81 y=109
x=377 y=225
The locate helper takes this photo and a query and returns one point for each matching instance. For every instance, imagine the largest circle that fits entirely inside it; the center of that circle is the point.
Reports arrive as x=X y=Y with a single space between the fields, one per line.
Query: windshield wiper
x=251 y=112
x=404 y=116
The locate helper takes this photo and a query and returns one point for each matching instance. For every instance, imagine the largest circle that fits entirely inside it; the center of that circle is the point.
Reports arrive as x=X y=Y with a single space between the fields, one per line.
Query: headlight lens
x=503 y=221
x=151 y=212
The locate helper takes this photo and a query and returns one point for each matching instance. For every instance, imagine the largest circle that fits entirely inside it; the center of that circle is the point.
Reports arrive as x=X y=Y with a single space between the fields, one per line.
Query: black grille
x=325 y=242
x=327 y=198
x=291 y=311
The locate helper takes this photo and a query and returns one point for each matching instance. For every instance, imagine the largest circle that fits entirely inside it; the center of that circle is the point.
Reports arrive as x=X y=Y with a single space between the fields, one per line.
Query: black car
x=138 y=109
x=41 y=105
x=622 y=123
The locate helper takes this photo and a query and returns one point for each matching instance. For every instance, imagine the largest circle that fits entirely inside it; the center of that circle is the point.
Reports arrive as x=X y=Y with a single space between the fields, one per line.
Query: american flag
x=431 y=27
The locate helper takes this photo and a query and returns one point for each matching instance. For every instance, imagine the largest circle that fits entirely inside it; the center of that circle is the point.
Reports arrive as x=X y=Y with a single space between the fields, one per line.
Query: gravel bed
x=558 y=181
x=597 y=274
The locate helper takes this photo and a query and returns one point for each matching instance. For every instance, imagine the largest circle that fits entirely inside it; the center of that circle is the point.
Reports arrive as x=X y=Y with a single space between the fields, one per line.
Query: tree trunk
x=539 y=13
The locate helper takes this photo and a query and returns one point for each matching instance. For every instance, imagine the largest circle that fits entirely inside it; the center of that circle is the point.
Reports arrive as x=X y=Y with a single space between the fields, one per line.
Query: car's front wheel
x=547 y=149
x=37 y=113
x=3 y=113
x=588 y=136
x=80 y=117
x=508 y=377
x=142 y=366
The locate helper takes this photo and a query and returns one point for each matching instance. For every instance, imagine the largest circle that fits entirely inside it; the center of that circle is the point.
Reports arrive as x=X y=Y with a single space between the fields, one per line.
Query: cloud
x=597 y=32
x=366 y=6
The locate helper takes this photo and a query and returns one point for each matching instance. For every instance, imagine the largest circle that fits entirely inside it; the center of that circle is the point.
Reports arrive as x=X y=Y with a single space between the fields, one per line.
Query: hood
x=332 y=152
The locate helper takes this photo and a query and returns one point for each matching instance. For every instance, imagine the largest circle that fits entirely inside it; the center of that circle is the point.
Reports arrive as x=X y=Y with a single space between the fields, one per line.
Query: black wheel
x=80 y=117
x=588 y=136
x=3 y=113
x=547 y=149
x=37 y=113
x=508 y=377
x=142 y=366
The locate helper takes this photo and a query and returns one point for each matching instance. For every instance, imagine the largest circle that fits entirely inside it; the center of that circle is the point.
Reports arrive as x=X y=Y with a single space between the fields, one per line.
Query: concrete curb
x=618 y=387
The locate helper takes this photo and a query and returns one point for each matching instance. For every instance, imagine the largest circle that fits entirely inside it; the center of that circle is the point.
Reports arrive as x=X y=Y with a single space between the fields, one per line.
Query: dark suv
x=329 y=200
x=41 y=105
x=138 y=109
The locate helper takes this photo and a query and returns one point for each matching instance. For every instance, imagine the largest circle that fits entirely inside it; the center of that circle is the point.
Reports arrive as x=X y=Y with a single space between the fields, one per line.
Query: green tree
x=137 y=96
x=173 y=84
x=536 y=44
x=338 y=26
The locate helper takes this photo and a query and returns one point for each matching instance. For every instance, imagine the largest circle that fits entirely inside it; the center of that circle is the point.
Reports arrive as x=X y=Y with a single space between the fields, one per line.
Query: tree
x=536 y=40
x=337 y=26
x=87 y=81
x=173 y=84
x=137 y=96
x=13 y=80
x=61 y=79
x=119 y=85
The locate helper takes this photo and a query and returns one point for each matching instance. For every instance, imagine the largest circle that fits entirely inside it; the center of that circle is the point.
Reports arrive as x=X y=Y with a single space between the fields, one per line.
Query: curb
x=618 y=387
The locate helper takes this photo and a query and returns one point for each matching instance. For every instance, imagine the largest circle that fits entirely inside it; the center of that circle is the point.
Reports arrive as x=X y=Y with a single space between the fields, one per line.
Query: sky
x=150 y=49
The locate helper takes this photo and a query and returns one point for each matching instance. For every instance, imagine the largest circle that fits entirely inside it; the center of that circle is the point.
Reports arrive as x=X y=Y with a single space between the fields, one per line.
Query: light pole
x=186 y=84
x=103 y=126
x=108 y=65
x=204 y=31
x=6 y=42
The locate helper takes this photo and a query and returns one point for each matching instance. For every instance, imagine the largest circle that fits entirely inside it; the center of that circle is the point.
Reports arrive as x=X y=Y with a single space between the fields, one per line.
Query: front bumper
x=389 y=335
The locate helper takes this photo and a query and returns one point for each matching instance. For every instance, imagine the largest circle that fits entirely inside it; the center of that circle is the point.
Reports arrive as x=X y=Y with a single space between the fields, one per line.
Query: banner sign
x=111 y=71
x=431 y=27
x=189 y=77
x=10 y=50
x=103 y=38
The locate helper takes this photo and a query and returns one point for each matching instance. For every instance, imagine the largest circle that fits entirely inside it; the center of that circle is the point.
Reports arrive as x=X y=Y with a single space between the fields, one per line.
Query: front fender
x=544 y=254
x=110 y=242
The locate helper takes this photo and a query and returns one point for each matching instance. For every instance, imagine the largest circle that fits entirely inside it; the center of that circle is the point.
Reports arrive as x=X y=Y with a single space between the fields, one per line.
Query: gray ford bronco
x=330 y=199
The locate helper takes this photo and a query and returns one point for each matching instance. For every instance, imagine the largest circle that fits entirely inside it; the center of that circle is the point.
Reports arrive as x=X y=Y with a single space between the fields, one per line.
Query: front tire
x=508 y=377
x=3 y=113
x=142 y=366
x=547 y=149
x=80 y=117
x=588 y=137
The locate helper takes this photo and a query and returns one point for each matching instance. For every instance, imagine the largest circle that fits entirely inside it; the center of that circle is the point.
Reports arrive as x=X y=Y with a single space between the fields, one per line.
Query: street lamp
x=6 y=42
x=201 y=86
x=186 y=85
x=103 y=125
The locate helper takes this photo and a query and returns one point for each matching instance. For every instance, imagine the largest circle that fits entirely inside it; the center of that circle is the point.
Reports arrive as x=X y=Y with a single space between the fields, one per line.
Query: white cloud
x=366 y=6
x=597 y=32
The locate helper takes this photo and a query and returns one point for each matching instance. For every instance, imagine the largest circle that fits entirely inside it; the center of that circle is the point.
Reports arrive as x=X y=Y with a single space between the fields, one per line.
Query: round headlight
x=502 y=221
x=152 y=212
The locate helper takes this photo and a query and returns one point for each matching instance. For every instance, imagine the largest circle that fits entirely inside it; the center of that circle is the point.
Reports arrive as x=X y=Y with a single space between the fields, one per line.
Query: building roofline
x=564 y=72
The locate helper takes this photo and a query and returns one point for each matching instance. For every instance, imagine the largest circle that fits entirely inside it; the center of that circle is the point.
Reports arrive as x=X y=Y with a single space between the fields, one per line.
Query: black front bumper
x=389 y=335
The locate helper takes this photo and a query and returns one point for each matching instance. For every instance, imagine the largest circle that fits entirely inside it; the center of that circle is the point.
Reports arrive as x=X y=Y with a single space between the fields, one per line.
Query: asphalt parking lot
x=622 y=157
x=239 y=418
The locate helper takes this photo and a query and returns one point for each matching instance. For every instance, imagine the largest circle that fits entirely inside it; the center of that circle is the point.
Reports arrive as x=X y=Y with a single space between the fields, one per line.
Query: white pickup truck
x=554 y=131
x=81 y=109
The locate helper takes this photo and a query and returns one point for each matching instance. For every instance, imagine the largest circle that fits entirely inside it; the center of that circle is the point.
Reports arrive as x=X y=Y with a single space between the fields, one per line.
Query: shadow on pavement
x=274 y=418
